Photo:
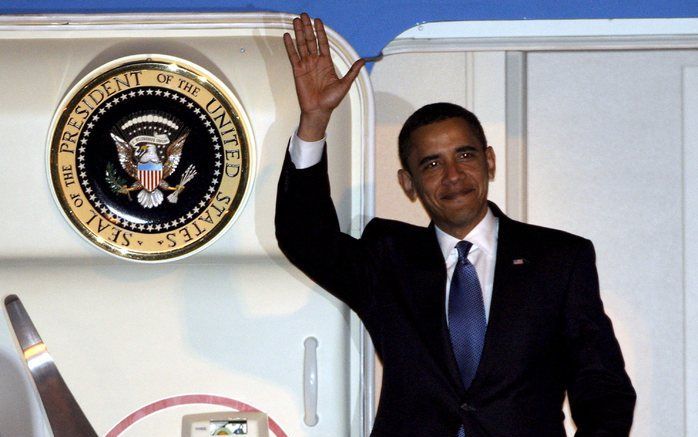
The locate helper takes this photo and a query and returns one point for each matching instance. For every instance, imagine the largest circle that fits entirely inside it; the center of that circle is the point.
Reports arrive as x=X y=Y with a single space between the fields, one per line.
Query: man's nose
x=452 y=172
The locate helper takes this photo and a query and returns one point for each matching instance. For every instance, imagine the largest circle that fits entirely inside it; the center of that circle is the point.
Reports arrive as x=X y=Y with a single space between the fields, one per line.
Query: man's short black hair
x=431 y=114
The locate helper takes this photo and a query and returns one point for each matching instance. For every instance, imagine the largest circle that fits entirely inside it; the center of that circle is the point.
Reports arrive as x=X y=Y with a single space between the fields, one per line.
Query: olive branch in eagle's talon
x=188 y=175
x=116 y=183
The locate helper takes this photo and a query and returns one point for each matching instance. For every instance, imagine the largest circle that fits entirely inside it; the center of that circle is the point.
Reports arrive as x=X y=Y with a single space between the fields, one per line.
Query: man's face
x=449 y=170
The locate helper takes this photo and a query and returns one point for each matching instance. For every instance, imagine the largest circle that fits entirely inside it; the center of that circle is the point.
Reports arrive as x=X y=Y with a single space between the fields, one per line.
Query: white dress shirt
x=483 y=252
x=303 y=153
x=483 y=255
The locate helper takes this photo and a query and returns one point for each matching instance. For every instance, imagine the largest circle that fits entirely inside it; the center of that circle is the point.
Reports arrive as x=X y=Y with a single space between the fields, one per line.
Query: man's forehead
x=438 y=141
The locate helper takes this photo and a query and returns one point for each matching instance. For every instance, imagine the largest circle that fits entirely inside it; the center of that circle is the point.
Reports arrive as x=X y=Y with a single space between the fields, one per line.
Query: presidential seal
x=150 y=157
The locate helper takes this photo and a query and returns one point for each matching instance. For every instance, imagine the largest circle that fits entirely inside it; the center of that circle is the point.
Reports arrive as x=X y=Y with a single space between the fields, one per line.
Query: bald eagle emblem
x=149 y=147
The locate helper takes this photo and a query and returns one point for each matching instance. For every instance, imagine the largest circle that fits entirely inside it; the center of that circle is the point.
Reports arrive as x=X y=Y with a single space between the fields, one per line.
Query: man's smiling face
x=449 y=171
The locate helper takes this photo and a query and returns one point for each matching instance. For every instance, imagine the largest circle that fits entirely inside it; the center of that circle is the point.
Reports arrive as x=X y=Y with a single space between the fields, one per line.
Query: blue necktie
x=466 y=317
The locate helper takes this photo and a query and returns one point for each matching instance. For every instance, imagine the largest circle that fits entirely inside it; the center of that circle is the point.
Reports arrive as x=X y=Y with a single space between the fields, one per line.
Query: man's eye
x=430 y=165
x=465 y=155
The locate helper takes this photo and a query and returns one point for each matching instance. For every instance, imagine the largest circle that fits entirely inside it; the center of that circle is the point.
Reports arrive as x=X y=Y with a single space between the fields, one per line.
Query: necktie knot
x=463 y=248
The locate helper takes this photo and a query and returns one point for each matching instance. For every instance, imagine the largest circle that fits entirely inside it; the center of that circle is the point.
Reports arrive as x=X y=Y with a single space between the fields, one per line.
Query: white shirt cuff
x=305 y=154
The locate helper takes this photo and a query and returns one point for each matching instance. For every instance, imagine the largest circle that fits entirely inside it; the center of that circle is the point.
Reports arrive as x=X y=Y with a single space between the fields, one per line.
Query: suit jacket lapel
x=428 y=303
x=509 y=287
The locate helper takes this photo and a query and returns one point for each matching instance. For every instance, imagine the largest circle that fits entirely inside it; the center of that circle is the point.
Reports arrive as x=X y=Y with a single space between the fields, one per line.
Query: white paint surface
x=605 y=160
x=230 y=320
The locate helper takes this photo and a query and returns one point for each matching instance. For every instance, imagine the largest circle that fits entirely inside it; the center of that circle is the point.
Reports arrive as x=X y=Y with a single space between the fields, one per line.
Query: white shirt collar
x=483 y=236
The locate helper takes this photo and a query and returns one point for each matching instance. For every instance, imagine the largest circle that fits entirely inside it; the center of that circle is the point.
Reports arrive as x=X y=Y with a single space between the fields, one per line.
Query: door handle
x=310 y=381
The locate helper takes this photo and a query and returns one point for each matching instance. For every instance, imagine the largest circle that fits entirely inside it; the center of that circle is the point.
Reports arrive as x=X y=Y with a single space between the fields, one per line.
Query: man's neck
x=461 y=232
x=484 y=235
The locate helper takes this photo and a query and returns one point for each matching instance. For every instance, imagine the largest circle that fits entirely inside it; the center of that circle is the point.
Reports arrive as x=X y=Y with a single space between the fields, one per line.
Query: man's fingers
x=322 y=37
x=348 y=78
x=309 y=34
x=300 y=37
x=291 y=49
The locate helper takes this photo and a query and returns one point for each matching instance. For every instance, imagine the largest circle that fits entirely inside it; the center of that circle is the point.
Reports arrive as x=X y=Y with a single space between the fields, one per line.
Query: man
x=482 y=323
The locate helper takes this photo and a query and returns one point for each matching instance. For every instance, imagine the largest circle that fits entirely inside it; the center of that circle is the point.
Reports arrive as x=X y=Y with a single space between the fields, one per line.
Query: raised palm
x=319 y=88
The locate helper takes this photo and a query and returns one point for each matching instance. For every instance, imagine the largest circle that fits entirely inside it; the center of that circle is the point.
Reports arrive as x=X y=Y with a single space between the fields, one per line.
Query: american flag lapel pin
x=519 y=261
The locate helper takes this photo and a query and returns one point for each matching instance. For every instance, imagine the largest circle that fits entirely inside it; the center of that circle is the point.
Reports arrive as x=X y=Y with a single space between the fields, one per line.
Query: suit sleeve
x=601 y=396
x=308 y=233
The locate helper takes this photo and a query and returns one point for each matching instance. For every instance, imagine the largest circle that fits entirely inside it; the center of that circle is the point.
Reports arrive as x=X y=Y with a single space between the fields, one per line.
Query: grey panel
x=605 y=161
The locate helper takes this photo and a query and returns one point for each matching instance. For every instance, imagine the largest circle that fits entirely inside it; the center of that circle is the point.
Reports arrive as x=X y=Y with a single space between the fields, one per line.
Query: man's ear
x=405 y=179
x=491 y=162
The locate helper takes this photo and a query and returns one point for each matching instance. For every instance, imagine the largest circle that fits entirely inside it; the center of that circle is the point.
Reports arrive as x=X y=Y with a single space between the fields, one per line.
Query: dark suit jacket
x=547 y=331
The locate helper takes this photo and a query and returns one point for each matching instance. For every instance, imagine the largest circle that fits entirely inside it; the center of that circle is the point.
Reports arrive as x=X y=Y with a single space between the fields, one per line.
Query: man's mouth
x=455 y=195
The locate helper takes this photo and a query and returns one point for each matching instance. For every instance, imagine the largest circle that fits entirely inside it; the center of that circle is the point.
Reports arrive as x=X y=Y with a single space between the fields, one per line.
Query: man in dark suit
x=482 y=323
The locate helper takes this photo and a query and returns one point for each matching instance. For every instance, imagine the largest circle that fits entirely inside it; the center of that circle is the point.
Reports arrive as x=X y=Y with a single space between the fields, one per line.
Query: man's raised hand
x=319 y=88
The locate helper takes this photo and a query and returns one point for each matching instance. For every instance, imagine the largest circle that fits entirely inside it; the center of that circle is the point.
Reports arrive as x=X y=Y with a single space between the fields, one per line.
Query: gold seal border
x=198 y=75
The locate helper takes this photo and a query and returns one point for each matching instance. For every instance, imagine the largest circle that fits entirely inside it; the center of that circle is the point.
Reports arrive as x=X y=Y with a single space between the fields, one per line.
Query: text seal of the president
x=151 y=157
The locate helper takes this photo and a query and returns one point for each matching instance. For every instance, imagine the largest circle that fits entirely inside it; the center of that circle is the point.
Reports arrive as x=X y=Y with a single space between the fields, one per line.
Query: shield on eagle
x=150 y=175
